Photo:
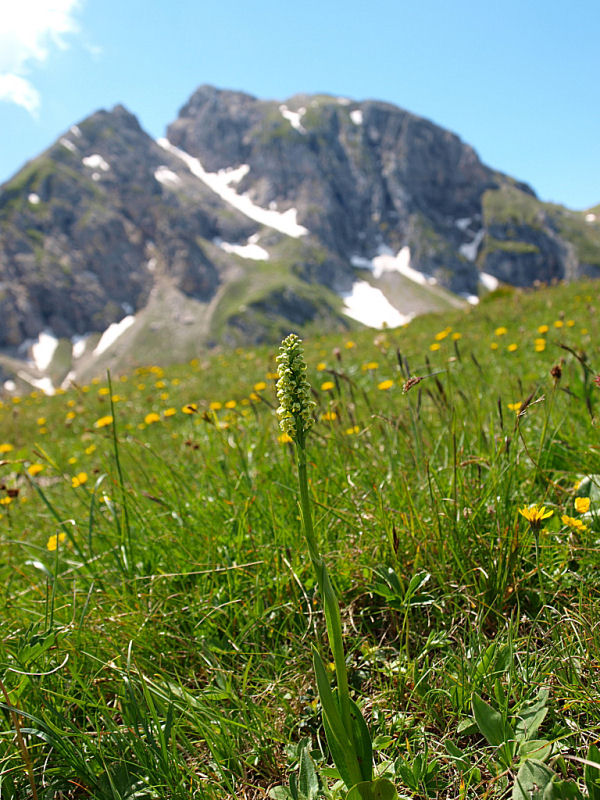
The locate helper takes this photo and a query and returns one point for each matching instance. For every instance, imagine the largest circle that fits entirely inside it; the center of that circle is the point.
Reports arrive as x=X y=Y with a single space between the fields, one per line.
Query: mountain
x=252 y=217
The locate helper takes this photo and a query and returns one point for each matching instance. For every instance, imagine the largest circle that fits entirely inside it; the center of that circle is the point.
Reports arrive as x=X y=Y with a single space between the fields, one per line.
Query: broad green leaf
x=490 y=722
x=340 y=746
x=591 y=773
x=380 y=789
x=279 y=793
x=531 y=781
x=308 y=781
x=362 y=742
x=541 y=749
x=562 y=790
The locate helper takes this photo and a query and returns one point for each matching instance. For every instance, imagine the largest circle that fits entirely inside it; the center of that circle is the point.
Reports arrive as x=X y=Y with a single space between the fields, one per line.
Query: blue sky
x=518 y=80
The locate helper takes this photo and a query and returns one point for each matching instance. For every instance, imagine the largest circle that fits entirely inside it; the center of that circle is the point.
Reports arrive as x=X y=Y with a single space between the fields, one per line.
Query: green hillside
x=159 y=605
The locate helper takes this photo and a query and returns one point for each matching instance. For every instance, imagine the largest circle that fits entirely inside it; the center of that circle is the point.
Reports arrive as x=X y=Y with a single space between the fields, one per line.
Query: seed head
x=293 y=389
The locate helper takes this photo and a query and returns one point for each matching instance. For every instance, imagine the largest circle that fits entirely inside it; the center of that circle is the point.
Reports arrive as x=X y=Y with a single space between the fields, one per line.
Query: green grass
x=163 y=650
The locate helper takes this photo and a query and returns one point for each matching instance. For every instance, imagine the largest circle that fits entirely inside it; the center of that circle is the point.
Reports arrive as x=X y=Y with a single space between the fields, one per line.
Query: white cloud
x=29 y=30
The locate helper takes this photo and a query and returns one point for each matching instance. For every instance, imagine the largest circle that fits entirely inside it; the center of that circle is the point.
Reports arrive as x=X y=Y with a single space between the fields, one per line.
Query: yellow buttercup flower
x=151 y=417
x=384 y=385
x=260 y=386
x=434 y=346
x=103 y=421
x=327 y=386
x=79 y=479
x=5 y=447
x=582 y=505
x=55 y=540
x=190 y=408
x=215 y=405
x=35 y=469
x=515 y=406
x=170 y=412
x=501 y=331
x=543 y=329
x=572 y=522
x=329 y=416
x=512 y=347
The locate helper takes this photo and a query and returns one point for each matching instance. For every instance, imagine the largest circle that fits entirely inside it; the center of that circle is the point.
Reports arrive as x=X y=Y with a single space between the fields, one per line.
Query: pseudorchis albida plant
x=347 y=733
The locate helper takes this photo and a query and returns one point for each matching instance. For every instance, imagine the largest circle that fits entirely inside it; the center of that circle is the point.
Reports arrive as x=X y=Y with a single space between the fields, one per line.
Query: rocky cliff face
x=249 y=203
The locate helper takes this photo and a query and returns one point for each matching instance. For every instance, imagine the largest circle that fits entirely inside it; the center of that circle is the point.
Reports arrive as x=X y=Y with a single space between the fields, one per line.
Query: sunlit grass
x=158 y=608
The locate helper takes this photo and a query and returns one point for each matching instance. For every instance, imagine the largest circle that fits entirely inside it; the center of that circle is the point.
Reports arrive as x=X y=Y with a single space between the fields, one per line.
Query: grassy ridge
x=159 y=607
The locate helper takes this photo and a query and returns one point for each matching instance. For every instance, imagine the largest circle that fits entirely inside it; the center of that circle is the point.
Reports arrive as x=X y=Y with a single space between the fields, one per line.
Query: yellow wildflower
x=512 y=347
x=570 y=323
x=35 y=469
x=349 y=345
x=494 y=345
x=350 y=431
x=327 y=386
x=70 y=415
x=435 y=346
x=151 y=417
x=582 y=505
x=501 y=331
x=369 y=366
x=543 y=329
x=55 y=540
x=284 y=438
x=103 y=391
x=230 y=404
x=559 y=323
x=215 y=405
x=442 y=334
x=321 y=366
x=575 y=524
x=456 y=336
x=72 y=460
x=329 y=416
x=41 y=420
x=79 y=479
x=170 y=412
x=384 y=385
x=89 y=450
x=540 y=345
x=260 y=386
x=535 y=515
x=103 y=421
x=5 y=501
x=190 y=408
x=5 y=447
x=515 y=406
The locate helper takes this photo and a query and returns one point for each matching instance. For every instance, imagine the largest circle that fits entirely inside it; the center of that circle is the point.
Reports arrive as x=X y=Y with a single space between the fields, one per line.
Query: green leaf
x=380 y=789
x=562 y=790
x=362 y=742
x=280 y=793
x=540 y=749
x=308 y=780
x=591 y=773
x=342 y=752
x=532 y=780
x=490 y=722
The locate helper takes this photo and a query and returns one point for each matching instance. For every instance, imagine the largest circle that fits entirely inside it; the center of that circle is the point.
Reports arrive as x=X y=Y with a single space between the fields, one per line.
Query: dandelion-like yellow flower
x=190 y=408
x=385 y=385
x=512 y=347
x=5 y=501
x=284 y=438
x=435 y=346
x=103 y=391
x=582 y=505
x=501 y=331
x=5 y=447
x=152 y=417
x=442 y=334
x=351 y=431
x=35 y=469
x=327 y=386
x=575 y=524
x=369 y=366
x=103 y=421
x=79 y=479
x=321 y=366
x=494 y=345
x=329 y=416
x=55 y=540
x=535 y=515
x=540 y=345
x=559 y=323
x=515 y=406
x=543 y=329
x=349 y=345
x=230 y=404
x=89 y=450
x=41 y=420
x=170 y=412
x=456 y=336
x=260 y=386
x=70 y=415
x=215 y=405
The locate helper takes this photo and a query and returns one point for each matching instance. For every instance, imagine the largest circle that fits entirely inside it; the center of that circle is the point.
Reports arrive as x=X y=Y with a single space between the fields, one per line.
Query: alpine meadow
x=394 y=595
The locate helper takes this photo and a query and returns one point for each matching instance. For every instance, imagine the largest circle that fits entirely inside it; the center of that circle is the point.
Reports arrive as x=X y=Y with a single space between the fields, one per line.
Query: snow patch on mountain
x=112 y=333
x=250 y=250
x=219 y=182
x=293 y=117
x=95 y=161
x=356 y=116
x=33 y=198
x=166 y=176
x=469 y=250
x=68 y=144
x=369 y=305
x=489 y=282
x=42 y=351
x=386 y=261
